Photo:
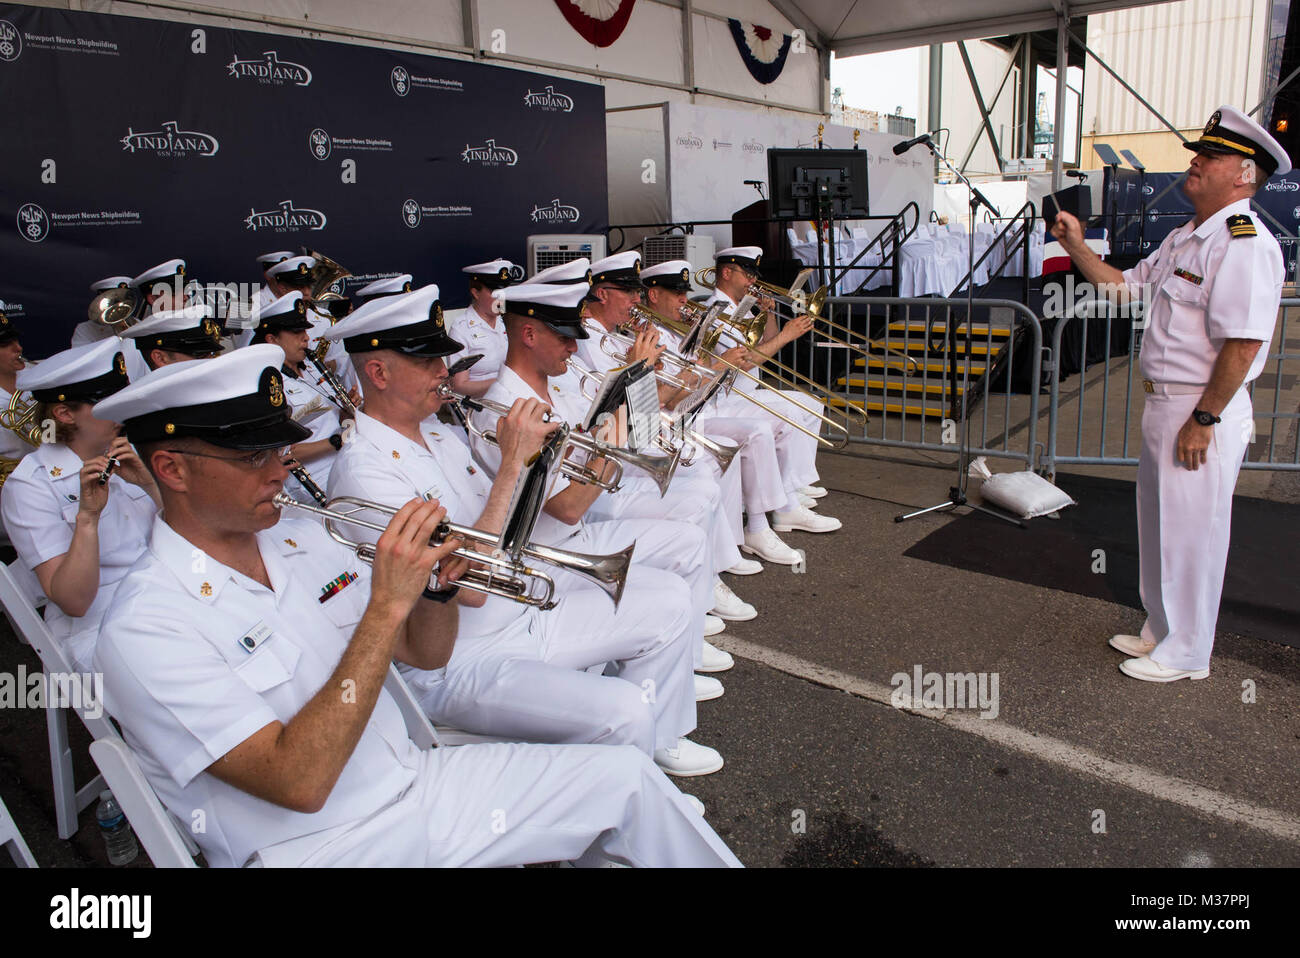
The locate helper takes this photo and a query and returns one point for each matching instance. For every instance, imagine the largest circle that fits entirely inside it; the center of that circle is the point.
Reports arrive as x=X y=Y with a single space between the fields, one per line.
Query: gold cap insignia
x=169 y=428
x=686 y=274
x=180 y=270
x=1215 y=117
x=406 y=287
x=302 y=269
x=505 y=273
x=300 y=307
x=119 y=363
x=210 y=328
x=275 y=392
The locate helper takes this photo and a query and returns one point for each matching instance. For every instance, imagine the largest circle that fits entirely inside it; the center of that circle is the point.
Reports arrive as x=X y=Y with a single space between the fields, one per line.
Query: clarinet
x=316 y=357
x=300 y=473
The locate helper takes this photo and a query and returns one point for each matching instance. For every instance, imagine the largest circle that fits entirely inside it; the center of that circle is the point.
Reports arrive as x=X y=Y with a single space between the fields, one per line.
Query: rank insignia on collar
x=56 y=472
x=290 y=543
x=1241 y=225
x=205 y=590
x=396 y=454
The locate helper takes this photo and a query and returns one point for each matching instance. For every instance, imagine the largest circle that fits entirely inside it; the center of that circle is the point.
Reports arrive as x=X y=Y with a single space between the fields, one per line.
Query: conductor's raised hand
x=405 y=557
x=1068 y=230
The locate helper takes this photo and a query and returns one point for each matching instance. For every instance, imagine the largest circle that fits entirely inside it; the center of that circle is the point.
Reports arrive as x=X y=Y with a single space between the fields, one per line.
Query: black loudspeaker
x=1076 y=200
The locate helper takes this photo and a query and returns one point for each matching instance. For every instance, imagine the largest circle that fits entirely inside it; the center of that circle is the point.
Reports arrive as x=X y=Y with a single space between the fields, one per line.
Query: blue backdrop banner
x=128 y=142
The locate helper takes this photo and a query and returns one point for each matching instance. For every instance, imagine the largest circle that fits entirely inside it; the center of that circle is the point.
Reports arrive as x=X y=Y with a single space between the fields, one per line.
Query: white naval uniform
x=699 y=494
x=674 y=547
x=88 y=332
x=516 y=670
x=1201 y=286
x=40 y=504
x=796 y=451
x=477 y=335
x=186 y=691
x=313 y=408
x=336 y=355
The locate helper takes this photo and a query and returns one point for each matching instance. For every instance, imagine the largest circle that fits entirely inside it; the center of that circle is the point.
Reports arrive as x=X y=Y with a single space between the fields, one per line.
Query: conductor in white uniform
x=1211 y=295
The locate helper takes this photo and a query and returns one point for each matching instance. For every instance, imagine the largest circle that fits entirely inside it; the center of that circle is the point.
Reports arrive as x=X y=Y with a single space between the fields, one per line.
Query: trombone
x=680 y=327
x=659 y=468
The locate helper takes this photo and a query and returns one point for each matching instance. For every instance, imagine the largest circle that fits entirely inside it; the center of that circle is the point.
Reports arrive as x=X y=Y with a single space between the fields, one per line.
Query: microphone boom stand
x=957 y=493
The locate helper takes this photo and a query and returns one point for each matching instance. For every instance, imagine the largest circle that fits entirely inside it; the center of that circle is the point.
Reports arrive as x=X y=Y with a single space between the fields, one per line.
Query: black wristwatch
x=1205 y=418
x=336 y=440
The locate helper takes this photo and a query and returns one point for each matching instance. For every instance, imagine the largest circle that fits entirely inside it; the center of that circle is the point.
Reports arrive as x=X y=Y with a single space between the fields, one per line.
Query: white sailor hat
x=388 y=286
x=674 y=274
x=746 y=257
x=286 y=314
x=294 y=271
x=167 y=270
x=236 y=401
x=80 y=374
x=495 y=273
x=621 y=269
x=574 y=271
x=1231 y=131
x=270 y=259
x=191 y=331
x=110 y=282
x=559 y=307
x=411 y=324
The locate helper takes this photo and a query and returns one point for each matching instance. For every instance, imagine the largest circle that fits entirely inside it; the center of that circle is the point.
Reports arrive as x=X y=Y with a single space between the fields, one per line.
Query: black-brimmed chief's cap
x=1230 y=131
x=411 y=323
x=559 y=307
x=80 y=374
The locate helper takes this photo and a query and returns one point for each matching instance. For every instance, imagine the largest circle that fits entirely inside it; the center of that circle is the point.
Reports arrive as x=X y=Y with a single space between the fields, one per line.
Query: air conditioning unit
x=696 y=249
x=554 y=249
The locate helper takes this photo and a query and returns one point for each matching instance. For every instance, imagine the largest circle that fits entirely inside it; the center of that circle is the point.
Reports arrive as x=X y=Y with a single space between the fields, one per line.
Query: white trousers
x=762 y=489
x=500 y=805
x=529 y=683
x=1184 y=522
x=796 y=452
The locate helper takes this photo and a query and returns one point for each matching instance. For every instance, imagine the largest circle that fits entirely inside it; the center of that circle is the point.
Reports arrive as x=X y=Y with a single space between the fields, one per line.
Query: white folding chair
x=167 y=844
x=12 y=839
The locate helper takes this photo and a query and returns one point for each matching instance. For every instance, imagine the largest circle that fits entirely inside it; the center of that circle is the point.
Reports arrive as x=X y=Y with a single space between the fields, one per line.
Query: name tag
x=255 y=639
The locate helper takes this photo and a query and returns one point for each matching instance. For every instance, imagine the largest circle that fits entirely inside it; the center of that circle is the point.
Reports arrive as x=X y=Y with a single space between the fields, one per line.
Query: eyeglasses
x=255 y=460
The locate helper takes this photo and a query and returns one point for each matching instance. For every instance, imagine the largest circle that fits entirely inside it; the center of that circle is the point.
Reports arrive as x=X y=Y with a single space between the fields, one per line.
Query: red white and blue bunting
x=599 y=22
x=763 y=50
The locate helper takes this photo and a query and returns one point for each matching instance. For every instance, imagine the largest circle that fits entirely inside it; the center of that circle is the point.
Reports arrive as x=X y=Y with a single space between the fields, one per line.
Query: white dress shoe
x=713 y=625
x=1148 y=670
x=715 y=660
x=727 y=605
x=803 y=520
x=1132 y=644
x=746 y=567
x=688 y=759
x=812 y=492
x=707 y=688
x=808 y=502
x=769 y=548
x=695 y=803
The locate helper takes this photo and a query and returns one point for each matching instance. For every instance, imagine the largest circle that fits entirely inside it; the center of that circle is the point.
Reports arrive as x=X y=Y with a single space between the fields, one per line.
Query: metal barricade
x=907 y=374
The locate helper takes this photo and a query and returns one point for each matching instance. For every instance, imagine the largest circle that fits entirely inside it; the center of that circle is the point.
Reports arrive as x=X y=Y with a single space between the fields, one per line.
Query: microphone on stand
x=901 y=148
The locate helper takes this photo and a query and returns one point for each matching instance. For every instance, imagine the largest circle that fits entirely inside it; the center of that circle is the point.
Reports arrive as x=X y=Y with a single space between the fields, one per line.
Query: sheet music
x=642 y=394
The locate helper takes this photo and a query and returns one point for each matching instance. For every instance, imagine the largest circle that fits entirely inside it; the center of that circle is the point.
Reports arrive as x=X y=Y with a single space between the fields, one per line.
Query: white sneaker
x=769 y=548
x=713 y=625
x=707 y=688
x=688 y=759
x=807 y=502
x=812 y=492
x=746 y=567
x=727 y=605
x=695 y=803
x=804 y=520
x=714 y=659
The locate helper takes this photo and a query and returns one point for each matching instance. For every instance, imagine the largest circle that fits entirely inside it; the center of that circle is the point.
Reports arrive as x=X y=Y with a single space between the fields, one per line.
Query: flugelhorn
x=658 y=468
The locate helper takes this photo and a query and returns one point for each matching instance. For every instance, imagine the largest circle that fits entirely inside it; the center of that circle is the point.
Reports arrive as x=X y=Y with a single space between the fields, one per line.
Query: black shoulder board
x=1241 y=225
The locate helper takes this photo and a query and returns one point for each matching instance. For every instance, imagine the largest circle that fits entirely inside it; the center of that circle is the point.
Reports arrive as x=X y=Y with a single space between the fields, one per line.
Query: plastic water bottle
x=118 y=837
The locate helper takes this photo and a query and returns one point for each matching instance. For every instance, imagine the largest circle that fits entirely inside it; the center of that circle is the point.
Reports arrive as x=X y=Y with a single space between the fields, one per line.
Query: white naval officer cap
x=574 y=271
x=270 y=259
x=1230 y=131
x=411 y=323
x=287 y=313
x=746 y=257
x=559 y=307
x=236 y=401
x=294 y=271
x=494 y=273
x=167 y=270
x=674 y=274
x=110 y=282
x=621 y=269
x=191 y=331
x=388 y=286
x=80 y=374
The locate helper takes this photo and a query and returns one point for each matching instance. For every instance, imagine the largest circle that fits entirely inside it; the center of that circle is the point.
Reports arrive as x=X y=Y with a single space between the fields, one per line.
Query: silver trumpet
x=504 y=576
x=658 y=468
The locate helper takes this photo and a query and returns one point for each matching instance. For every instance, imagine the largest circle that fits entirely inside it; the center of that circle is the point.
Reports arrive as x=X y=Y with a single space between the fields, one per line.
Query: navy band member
x=517 y=672
x=78 y=535
x=296 y=275
x=89 y=331
x=480 y=328
x=1211 y=295
x=250 y=684
x=176 y=336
